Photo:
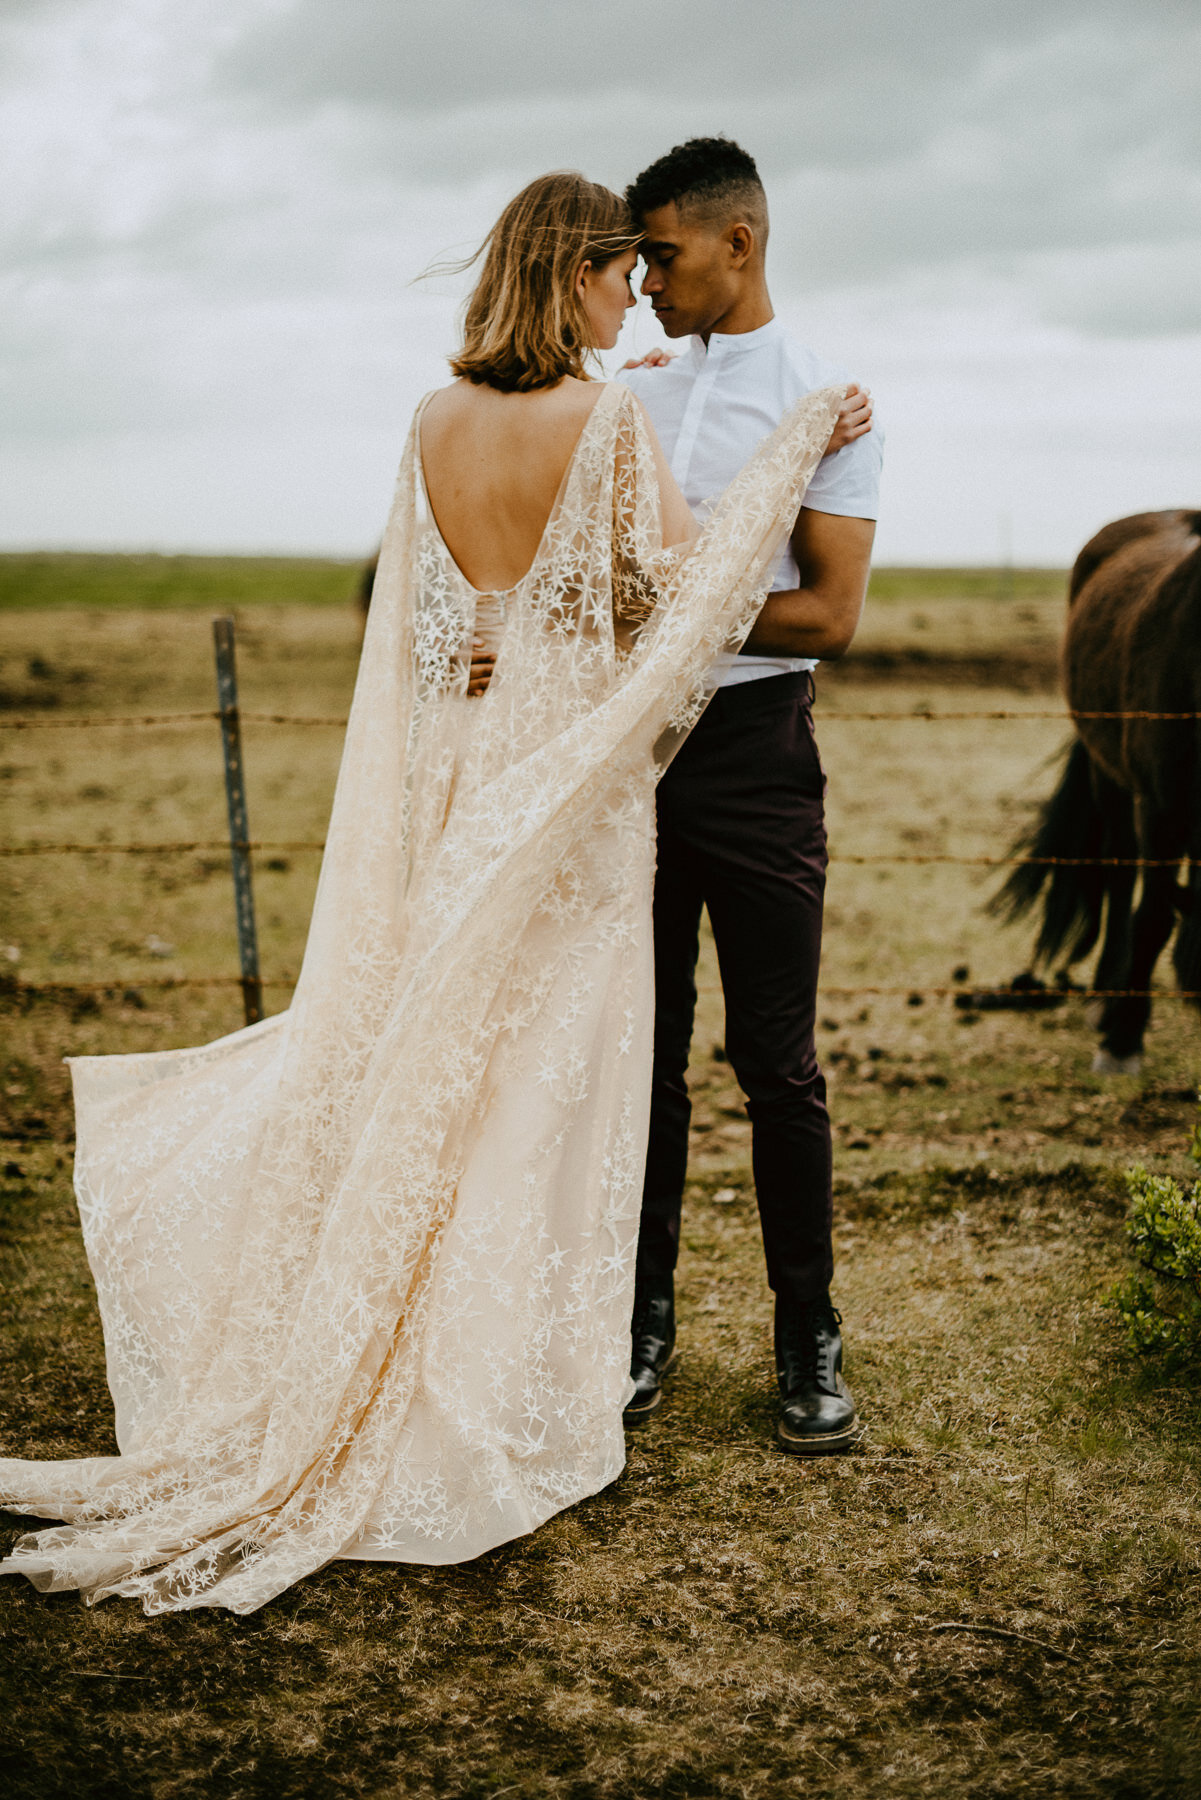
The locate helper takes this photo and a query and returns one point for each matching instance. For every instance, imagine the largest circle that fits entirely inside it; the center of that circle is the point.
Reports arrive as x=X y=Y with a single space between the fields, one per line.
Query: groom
x=740 y=810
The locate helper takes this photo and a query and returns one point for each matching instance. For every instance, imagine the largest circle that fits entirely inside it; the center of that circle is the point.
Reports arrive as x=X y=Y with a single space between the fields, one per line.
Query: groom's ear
x=741 y=240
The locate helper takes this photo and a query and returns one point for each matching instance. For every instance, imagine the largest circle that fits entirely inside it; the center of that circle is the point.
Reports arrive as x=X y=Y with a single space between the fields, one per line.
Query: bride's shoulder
x=450 y=398
x=542 y=421
x=612 y=396
x=571 y=404
x=582 y=396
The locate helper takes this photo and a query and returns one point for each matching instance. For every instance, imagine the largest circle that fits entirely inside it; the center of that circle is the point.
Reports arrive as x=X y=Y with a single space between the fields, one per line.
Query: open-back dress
x=365 y=1269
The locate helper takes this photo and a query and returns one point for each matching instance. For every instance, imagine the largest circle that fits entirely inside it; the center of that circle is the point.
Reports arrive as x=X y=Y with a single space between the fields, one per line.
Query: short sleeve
x=848 y=483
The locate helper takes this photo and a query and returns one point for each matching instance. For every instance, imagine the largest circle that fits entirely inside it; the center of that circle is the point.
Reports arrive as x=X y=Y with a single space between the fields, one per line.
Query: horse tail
x=1077 y=823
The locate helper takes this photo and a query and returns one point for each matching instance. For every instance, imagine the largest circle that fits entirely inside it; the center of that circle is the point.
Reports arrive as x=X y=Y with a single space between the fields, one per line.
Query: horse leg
x=1186 y=957
x=1113 y=965
x=1124 y=1021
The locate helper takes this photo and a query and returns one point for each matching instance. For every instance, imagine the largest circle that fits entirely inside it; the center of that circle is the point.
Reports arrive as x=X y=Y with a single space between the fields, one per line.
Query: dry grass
x=724 y=1620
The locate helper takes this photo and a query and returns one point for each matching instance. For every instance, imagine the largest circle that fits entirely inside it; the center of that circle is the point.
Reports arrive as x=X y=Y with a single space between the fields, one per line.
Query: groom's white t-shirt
x=712 y=407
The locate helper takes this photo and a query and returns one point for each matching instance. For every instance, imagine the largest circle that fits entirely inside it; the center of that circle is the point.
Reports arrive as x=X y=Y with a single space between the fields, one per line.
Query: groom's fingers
x=856 y=411
x=480 y=672
x=854 y=418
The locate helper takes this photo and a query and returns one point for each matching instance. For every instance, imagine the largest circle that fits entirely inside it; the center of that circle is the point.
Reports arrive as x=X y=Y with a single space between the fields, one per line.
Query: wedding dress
x=365 y=1269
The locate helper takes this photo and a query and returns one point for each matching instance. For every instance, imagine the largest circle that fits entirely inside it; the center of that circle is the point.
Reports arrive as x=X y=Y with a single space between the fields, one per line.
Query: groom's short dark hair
x=711 y=178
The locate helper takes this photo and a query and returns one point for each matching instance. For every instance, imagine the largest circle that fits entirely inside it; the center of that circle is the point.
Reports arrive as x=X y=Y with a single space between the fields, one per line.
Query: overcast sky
x=212 y=217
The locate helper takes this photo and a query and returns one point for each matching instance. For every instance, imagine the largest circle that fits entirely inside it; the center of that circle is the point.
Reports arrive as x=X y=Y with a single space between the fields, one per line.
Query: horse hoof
x=1106 y=1063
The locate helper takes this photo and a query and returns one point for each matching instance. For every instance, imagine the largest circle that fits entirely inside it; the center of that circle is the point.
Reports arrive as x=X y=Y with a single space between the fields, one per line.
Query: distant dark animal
x=1130 y=788
x=366 y=586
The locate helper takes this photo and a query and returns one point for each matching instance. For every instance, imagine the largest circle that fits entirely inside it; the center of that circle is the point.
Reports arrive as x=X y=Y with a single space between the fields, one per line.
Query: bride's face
x=606 y=295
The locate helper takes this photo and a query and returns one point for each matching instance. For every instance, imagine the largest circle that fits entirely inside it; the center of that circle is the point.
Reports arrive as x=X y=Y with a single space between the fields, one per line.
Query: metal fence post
x=239 y=828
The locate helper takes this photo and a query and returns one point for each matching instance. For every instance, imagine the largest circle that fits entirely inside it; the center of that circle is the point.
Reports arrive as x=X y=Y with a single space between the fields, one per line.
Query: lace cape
x=365 y=1269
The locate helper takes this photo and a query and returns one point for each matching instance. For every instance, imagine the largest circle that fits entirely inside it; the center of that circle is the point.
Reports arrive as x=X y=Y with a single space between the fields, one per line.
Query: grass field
x=998 y=1595
x=36 y=580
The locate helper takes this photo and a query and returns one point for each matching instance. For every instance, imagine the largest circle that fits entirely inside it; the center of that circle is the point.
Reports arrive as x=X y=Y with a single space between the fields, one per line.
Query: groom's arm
x=819 y=618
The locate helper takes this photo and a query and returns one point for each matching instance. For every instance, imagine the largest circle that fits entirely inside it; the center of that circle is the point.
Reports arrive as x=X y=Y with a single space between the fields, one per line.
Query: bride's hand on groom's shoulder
x=654 y=359
x=854 y=419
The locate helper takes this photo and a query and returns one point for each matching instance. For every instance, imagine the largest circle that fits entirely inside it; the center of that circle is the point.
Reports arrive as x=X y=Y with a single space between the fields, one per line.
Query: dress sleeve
x=643 y=566
x=729 y=560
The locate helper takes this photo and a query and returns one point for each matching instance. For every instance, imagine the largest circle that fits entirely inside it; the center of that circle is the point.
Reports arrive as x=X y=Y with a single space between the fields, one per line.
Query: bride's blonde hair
x=525 y=326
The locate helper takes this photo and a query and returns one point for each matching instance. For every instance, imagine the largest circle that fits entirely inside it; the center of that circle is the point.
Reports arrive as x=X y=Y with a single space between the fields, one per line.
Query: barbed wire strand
x=1026 y=999
x=165 y=847
x=124 y=984
x=221 y=845
x=98 y=720
x=89 y=721
x=1065 y=718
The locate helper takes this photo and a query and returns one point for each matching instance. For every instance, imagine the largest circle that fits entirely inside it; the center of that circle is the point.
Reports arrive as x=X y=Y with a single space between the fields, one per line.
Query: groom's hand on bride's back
x=853 y=421
x=480 y=672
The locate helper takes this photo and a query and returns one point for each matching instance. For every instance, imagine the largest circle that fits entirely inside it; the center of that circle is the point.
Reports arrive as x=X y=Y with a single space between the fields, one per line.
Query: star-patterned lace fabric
x=365 y=1269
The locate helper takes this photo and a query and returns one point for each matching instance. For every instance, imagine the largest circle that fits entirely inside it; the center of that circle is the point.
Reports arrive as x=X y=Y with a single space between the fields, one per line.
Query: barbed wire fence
x=916 y=715
x=240 y=846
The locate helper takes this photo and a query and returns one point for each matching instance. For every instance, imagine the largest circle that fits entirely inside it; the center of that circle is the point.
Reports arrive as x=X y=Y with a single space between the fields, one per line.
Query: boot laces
x=801 y=1334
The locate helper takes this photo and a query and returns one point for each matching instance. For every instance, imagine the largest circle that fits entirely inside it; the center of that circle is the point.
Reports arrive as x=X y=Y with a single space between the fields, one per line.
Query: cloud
x=213 y=214
x=263 y=142
x=399 y=56
x=983 y=133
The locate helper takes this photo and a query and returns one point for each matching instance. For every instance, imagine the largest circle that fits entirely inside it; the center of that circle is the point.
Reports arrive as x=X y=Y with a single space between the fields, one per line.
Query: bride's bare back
x=494 y=463
x=493 y=466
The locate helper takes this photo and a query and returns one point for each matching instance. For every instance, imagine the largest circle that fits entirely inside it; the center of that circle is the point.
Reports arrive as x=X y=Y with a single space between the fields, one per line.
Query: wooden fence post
x=239 y=828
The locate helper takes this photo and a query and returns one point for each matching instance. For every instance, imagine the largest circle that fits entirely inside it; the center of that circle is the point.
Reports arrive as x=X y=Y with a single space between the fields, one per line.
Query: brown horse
x=1131 y=787
x=365 y=587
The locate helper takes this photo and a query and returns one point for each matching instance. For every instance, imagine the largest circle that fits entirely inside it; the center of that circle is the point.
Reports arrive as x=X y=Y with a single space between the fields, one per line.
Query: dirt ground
x=997 y=1595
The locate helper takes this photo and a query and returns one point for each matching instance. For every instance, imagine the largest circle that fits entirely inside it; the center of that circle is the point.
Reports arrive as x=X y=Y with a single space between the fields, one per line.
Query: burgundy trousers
x=742 y=832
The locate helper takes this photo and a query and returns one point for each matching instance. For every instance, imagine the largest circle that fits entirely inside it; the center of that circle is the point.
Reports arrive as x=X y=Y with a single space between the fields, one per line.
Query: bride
x=365 y=1269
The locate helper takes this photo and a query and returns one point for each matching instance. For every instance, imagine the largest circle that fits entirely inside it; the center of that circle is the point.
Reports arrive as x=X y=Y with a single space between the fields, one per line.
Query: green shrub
x=1161 y=1303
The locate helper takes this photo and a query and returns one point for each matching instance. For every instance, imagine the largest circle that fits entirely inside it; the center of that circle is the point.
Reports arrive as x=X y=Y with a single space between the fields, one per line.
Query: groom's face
x=690 y=280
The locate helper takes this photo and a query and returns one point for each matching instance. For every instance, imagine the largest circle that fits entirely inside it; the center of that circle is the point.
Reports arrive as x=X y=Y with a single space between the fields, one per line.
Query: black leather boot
x=817 y=1414
x=653 y=1347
